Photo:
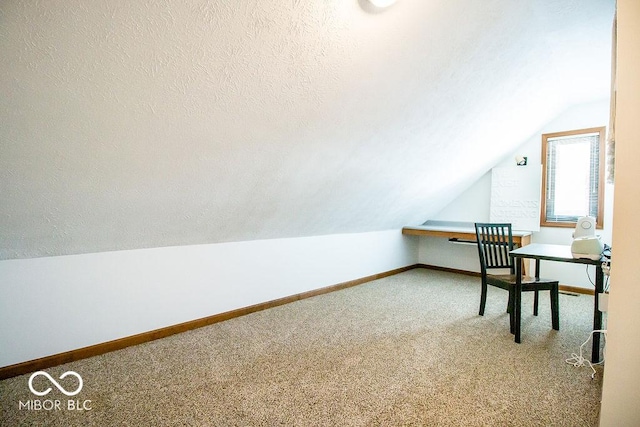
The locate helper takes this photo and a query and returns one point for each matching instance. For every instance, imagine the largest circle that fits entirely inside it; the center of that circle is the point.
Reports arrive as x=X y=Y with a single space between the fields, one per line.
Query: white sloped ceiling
x=133 y=124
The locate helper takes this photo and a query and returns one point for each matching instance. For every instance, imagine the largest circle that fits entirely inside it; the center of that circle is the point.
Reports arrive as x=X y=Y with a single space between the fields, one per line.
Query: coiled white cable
x=578 y=360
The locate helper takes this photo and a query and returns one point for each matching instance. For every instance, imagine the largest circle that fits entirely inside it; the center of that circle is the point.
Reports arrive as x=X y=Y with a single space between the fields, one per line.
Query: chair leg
x=511 y=311
x=555 y=308
x=535 y=303
x=517 y=305
x=483 y=298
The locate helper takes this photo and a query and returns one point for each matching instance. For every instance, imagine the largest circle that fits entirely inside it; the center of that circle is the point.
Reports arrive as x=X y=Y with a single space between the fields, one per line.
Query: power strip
x=603 y=302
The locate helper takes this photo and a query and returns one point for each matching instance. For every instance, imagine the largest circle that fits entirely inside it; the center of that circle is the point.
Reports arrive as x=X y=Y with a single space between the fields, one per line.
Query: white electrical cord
x=579 y=361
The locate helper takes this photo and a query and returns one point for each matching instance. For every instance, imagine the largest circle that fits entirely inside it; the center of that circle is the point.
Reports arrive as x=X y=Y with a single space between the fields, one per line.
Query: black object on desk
x=562 y=253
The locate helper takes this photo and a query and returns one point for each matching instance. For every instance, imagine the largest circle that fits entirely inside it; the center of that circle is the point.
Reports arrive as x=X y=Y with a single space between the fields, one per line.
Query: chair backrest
x=495 y=241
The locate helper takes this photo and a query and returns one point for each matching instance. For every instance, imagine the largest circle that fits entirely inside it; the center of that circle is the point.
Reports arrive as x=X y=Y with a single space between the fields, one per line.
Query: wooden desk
x=458 y=231
x=562 y=253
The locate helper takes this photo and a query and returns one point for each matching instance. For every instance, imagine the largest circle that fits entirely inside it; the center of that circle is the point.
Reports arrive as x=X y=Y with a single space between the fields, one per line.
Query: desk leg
x=526 y=263
x=536 y=293
x=597 y=315
x=517 y=299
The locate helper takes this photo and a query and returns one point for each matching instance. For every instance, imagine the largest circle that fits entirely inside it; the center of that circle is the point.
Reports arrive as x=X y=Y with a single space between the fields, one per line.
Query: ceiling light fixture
x=382 y=3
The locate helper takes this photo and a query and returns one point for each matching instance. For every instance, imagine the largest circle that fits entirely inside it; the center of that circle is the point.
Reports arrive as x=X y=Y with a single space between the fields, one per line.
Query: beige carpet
x=405 y=350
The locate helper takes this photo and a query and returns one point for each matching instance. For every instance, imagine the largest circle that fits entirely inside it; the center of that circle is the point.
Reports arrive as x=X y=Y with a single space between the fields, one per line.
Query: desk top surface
x=550 y=252
x=455 y=227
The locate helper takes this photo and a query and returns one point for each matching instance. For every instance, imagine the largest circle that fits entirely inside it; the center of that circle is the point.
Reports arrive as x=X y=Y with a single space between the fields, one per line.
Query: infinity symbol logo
x=55 y=383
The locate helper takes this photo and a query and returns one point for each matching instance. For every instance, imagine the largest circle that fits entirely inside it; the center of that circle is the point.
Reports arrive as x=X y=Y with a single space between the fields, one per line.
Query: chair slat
x=496 y=241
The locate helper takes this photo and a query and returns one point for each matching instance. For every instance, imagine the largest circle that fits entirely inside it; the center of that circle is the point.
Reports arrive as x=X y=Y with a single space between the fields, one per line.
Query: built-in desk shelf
x=454 y=230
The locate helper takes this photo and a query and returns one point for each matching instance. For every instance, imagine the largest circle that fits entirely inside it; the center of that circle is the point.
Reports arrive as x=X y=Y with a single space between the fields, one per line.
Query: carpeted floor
x=406 y=350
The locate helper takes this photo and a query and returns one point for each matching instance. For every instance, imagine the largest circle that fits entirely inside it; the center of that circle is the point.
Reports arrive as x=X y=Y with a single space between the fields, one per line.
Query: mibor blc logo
x=73 y=387
x=55 y=383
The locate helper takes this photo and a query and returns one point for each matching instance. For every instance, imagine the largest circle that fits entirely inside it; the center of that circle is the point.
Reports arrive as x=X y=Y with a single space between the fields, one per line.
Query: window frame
x=601 y=170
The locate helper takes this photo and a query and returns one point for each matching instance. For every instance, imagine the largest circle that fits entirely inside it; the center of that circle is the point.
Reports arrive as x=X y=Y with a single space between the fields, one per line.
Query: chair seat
x=511 y=278
x=508 y=281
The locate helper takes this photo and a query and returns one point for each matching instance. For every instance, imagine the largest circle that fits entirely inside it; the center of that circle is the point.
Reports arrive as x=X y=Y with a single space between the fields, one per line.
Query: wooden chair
x=495 y=241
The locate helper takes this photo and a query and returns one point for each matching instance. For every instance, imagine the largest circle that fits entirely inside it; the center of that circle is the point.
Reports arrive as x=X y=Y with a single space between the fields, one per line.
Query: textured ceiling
x=153 y=123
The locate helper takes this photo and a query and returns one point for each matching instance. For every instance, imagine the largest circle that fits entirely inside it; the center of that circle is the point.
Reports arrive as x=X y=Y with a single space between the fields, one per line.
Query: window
x=572 y=177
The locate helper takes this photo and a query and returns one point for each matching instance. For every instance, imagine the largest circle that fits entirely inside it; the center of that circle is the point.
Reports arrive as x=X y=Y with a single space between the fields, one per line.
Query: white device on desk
x=585 y=242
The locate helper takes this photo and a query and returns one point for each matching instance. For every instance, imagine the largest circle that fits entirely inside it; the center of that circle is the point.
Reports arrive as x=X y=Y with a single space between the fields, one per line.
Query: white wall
x=621 y=388
x=146 y=123
x=473 y=205
x=55 y=304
